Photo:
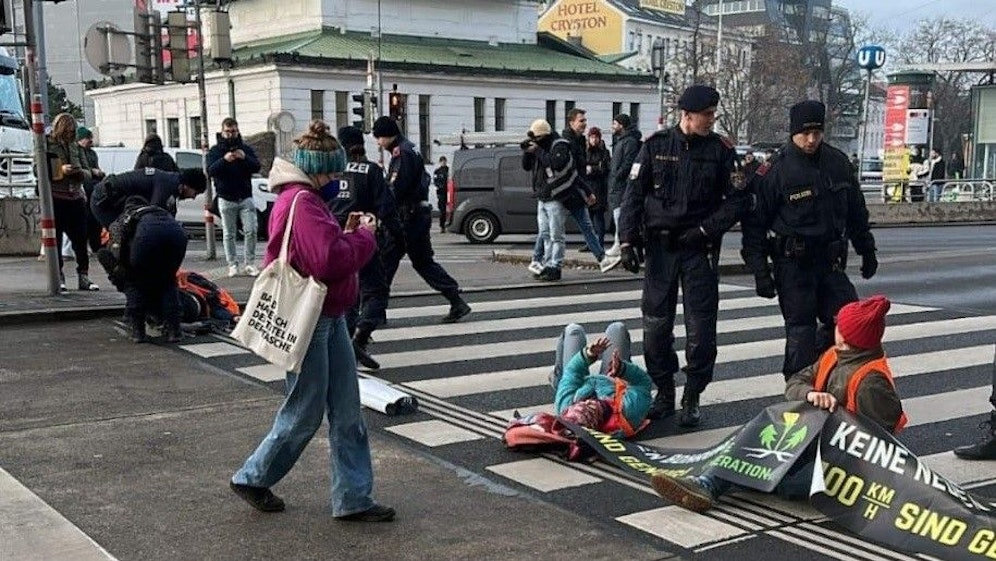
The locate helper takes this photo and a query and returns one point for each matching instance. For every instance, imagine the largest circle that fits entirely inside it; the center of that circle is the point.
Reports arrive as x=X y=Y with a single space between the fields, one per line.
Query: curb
x=504 y=256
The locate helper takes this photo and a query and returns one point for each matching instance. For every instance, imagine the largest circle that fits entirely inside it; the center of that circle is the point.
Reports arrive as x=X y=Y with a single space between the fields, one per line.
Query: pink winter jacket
x=318 y=246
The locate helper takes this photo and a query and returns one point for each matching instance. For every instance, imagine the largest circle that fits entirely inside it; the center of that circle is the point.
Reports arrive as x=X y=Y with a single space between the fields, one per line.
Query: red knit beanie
x=862 y=323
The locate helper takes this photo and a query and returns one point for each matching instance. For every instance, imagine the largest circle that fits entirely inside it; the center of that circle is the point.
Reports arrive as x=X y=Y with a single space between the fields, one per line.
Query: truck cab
x=17 y=176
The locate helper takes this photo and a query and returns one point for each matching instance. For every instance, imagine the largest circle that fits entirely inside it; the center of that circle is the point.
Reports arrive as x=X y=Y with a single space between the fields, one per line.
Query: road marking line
x=264 y=372
x=542 y=474
x=680 y=526
x=211 y=350
x=434 y=433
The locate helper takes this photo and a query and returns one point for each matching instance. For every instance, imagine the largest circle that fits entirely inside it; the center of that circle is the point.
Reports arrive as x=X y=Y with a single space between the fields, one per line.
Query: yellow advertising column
x=598 y=24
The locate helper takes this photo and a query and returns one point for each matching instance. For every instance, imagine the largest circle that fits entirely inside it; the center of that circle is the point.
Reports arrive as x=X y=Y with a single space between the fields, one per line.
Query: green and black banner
x=864 y=479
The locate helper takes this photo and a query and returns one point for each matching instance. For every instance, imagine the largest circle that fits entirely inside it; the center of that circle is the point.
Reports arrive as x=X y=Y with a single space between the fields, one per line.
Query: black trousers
x=418 y=247
x=441 y=207
x=370 y=311
x=70 y=219
x=156 y=253
x=808 y=292
x=93 y=226
x=696 y=271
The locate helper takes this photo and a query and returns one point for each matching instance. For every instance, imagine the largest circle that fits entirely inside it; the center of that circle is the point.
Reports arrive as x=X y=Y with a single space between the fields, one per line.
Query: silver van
x=490 y=195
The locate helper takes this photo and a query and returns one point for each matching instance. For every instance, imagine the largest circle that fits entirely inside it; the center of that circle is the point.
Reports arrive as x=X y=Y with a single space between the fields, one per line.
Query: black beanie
x=385 y=126
x=698 y=98
x=193 y=178
x=623 y=119
x=807 y=115
x=350 y=136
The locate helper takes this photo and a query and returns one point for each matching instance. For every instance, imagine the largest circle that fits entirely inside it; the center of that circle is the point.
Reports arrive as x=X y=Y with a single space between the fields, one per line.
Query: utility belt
x=809 y=251
x=408 y=210
x=670 y=239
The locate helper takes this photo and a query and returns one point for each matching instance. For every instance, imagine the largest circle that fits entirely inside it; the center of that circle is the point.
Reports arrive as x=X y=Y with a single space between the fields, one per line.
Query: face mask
x=330 y=190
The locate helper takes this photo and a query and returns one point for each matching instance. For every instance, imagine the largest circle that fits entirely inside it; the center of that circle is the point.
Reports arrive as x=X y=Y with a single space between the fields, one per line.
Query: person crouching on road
x=855 y=366
x=616 y=399
x=327 y=384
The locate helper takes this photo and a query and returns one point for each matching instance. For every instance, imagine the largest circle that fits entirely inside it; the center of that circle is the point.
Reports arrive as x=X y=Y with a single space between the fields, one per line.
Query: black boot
x=360 y=341
x=984 y=449
x=136 y=330
x=458 y=309
x=690 y=414
x=663 y=405
x=173 y=333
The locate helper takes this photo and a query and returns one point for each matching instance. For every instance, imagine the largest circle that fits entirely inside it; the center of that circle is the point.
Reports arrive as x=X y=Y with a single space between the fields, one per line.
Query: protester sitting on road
x=854 y=368
x=617 y=398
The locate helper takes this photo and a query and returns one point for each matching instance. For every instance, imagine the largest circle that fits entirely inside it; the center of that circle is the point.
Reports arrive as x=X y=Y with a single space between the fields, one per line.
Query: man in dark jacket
x=232 y=163
x=808 y=205
x=440 y=178
x=153 y=155
x=409 y=182
x=597 y=174
x=159 y=188
x=583 y=196
x=90 y=162
x=551 y=164
x=683 y=196
x=626 y=143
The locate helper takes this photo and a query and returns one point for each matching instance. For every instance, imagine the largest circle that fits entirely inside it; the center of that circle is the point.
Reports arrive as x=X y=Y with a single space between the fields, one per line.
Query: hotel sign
x=669 y=6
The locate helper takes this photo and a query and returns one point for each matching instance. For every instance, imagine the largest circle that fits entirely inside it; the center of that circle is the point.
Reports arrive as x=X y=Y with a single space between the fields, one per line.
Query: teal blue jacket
x=577 y=383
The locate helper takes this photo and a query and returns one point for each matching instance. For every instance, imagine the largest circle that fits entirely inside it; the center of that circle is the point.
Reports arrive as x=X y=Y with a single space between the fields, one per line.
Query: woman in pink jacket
x=327 y=382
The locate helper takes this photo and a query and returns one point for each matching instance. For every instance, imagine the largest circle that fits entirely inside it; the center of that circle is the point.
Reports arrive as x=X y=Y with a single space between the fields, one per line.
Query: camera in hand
x=527 y=144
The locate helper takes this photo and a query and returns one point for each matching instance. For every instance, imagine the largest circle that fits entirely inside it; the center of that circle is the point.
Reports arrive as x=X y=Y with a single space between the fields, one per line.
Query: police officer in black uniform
x=159 y=188
x=683 y=195
x=363 y=189
x=409 y=183
x=808 y=203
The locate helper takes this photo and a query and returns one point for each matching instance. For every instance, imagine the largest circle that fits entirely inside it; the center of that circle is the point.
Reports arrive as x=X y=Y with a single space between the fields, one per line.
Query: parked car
x=114 y=159
x=490 y=195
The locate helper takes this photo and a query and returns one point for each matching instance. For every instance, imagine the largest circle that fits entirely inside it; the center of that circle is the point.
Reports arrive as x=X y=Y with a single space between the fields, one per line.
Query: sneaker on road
x=535 y=268
x=549 y=274
x=233 y=271
x=613 y=251
x=86 y=284
x=261 y=498
x=376 y=513
x=683 y=491
x=608 y=263
x=251 y=271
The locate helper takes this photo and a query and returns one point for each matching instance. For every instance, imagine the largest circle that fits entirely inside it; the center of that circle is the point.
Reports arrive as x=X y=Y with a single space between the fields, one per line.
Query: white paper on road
x=380 y=397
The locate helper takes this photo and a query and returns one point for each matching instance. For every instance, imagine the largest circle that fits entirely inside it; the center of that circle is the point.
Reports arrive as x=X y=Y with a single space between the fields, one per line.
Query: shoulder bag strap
x=285 y=243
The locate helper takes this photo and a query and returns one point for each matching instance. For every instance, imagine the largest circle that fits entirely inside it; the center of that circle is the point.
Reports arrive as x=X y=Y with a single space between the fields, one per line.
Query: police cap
x=698 y=98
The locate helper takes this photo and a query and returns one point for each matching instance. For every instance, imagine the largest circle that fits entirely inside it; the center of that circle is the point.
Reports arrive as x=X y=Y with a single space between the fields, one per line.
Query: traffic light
x=179 y=56
x=6 y=17
x=397 y=110
x=148 y=47
x=360 y=110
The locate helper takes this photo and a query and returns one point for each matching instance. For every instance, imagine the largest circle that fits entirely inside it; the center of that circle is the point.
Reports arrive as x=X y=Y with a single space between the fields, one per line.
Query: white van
x=117 y=159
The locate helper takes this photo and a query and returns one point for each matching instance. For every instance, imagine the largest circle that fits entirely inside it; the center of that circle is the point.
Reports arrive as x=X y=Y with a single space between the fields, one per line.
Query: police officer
x=159 y=188
x=363 y=190
x=409 y=183
x=682 y=197
x=808 y=204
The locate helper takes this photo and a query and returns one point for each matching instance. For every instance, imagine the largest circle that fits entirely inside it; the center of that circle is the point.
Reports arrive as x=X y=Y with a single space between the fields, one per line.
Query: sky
x=902 y=16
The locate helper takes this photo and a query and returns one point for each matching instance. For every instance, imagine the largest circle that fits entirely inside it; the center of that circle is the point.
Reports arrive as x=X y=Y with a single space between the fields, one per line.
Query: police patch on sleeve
x=634 y=171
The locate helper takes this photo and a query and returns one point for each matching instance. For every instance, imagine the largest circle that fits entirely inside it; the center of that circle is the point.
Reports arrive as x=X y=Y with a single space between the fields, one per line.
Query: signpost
x=870 y=57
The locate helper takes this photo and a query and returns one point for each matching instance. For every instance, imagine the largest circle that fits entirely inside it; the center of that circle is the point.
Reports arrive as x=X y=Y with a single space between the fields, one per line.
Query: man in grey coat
x=625 y=146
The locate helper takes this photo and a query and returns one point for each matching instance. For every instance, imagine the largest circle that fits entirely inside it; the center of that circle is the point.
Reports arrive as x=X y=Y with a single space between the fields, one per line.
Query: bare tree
x=778 y=78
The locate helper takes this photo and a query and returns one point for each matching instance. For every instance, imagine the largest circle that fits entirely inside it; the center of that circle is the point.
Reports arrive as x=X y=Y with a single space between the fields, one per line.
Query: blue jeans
x=551 y=219
x=616 y=213
x=573 y=339
x=328 y=385
x=934 y=192
x=231 y=212
x=590 y=238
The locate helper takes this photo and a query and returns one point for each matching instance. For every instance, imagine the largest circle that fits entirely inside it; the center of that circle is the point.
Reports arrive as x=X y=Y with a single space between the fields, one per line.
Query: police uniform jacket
x=404 y=174
x=160 y=188
x=679 y=182
x=363 y=189
x=815 y=198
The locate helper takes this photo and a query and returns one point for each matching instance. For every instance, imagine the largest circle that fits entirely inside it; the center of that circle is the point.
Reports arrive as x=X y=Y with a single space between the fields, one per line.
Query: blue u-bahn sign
x=871 y=57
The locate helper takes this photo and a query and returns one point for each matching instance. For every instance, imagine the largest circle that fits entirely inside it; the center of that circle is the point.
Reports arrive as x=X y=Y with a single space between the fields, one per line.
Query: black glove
x=869 y=264
x=631 y=258
x=765 y=286
x=693 y=238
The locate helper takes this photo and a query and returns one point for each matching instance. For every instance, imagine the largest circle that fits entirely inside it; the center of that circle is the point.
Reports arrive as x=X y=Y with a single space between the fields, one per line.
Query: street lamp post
x=202 y=97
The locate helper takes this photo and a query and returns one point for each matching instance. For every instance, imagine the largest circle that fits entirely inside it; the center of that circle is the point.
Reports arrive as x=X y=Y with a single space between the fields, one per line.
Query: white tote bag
x=282 y=311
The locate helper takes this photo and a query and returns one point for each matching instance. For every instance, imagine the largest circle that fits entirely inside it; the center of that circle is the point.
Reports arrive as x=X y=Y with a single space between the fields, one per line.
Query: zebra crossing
x=470 y=378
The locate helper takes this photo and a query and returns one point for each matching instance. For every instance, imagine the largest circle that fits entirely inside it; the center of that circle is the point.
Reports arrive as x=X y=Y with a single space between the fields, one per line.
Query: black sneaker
x=364 y=358
x=690 y=414
x=458 y=309
x=549 y=274
x=663 y=406
x=261 y=498
x=376 y=513
x=86 y=284
x=983 y=450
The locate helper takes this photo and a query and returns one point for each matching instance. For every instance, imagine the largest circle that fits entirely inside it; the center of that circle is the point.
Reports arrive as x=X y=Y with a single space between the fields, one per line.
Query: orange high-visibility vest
x=827 y=363
x=618 y=421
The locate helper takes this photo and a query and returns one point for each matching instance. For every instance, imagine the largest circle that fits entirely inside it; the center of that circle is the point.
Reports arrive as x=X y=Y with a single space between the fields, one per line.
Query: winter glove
x=631 y=258
x=869 y=264
x=765 y=286
x=693 y=238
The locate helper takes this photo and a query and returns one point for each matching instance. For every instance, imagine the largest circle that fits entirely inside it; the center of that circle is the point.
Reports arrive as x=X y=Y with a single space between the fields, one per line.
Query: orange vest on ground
x=618 y=421
x=827 y=363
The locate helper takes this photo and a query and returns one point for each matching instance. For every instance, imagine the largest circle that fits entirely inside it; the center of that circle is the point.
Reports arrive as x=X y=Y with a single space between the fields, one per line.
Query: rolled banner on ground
x=380 y=397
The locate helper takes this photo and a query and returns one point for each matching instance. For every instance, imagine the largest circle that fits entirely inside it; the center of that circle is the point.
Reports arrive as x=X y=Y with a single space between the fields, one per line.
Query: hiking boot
x=261 y=498
x=984 y=449
x=690 y=414
x=376 y=513
x=86 y=284
x=458 y=309
x=685 y=492
x=662 y=407
x=549 y=274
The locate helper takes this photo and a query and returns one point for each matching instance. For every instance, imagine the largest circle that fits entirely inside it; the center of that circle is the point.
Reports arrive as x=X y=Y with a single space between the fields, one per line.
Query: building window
x=499 y=113
x=634 y=113
x=424 y=134
x=478 y=114
x=317 y=104
x=341 y=109
x=173 y=133
x=551 y=113
x=616 y=108
x=150 y=127
x=195 y=132
x=568 y=106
